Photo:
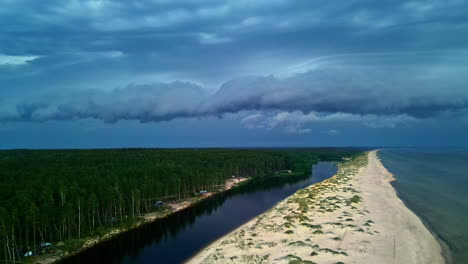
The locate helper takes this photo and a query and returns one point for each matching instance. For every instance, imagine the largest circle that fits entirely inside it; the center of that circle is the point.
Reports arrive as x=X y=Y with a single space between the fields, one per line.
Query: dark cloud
x=156 y=102
x=358 y=91
x=161 y=60
x=355 y=91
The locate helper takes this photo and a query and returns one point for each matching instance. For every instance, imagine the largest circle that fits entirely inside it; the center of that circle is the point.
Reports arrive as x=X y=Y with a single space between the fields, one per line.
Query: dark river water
x=178 y=237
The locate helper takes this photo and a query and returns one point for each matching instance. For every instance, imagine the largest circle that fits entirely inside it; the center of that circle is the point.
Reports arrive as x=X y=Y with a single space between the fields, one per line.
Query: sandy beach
x=353 y=217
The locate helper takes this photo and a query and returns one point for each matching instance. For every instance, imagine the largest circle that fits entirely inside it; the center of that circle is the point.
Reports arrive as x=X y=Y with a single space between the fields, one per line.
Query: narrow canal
x=178 y=237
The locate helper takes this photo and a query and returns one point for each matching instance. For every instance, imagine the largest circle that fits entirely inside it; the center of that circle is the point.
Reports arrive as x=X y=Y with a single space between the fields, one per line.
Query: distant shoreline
x=326 y=223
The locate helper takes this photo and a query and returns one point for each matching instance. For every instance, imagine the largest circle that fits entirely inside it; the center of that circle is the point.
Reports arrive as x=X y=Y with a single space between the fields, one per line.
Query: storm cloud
x=272 y=64
x=355 y=91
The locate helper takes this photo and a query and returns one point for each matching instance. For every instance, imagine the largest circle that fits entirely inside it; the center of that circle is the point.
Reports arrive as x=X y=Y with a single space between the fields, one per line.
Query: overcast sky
x=206 y=73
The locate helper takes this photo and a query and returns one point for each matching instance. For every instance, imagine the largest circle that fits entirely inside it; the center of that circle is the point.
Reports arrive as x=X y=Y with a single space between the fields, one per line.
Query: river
x=181 y=235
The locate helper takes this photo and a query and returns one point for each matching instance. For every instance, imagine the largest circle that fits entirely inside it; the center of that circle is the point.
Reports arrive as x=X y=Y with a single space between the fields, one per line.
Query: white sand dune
x=353 y=217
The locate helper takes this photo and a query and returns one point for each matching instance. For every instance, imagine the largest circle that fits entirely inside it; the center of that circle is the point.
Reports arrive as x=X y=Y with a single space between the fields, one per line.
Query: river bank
x=170 y=209
x=179 y=236
x=353 y=217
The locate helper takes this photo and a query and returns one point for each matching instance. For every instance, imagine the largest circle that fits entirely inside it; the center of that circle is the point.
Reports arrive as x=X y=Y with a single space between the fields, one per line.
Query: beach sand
x=353 y=217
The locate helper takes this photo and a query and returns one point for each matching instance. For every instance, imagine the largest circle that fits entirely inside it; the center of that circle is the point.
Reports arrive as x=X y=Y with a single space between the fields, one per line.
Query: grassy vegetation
x=354 y=199
x=319 y=215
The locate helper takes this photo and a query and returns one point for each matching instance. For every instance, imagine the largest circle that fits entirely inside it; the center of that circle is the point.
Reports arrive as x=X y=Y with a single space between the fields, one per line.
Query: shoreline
x=446 y=251
x=145 y=219
x=373 y=226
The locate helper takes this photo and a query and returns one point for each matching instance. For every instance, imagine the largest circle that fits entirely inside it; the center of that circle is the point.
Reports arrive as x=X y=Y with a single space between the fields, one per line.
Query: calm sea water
x=434 y=184
x=178 y=237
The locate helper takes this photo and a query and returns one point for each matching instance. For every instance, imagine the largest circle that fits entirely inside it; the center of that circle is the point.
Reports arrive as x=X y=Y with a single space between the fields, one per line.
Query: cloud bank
x=380 y=64
x=332 y=93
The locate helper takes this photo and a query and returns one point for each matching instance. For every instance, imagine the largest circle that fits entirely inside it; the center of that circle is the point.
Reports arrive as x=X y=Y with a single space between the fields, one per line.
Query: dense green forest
x=58 y=195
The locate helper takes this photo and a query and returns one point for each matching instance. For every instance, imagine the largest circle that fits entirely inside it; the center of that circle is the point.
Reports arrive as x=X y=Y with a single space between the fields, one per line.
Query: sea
x=433 y=183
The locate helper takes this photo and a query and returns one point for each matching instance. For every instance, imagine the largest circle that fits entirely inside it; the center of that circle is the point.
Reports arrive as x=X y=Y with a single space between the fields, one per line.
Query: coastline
x=353 y=217
x=149 y=218
x=446 y=251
